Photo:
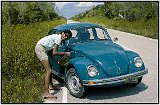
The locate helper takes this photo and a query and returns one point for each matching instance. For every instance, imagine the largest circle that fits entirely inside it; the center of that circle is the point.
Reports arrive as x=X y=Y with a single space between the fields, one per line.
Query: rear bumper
x=119 y=79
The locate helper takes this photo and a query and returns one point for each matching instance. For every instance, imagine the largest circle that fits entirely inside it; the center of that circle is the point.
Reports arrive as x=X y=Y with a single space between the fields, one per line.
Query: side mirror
x=115 y=39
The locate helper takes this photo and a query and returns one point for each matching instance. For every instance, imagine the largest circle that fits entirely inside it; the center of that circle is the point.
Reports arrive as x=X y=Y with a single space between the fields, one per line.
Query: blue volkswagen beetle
x=95 y=60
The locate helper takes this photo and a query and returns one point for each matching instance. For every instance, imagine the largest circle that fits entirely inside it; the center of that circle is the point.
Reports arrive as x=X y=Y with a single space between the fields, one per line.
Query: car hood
x=110 y=57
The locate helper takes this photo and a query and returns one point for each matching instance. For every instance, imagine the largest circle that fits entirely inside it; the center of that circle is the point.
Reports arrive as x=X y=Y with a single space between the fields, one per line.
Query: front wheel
x=74 y=84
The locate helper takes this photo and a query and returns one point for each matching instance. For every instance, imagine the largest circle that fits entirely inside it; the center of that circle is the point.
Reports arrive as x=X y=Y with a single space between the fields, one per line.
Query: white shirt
x=48 y=41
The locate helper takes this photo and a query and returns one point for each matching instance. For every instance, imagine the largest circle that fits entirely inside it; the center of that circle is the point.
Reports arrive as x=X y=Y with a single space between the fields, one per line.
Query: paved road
x=145 y=92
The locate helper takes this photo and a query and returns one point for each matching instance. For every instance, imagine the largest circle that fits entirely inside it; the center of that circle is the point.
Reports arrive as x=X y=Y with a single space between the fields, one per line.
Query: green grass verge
x=147 y=28
x=22 y=72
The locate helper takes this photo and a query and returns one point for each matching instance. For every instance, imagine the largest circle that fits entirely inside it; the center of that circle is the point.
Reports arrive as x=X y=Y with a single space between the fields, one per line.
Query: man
x=45 y=44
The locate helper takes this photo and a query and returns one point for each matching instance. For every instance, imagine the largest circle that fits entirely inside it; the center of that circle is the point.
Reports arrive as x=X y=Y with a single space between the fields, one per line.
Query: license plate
x=131 y=79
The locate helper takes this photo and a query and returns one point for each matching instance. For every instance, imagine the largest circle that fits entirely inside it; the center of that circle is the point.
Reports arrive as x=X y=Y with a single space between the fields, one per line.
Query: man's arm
x=55 y=51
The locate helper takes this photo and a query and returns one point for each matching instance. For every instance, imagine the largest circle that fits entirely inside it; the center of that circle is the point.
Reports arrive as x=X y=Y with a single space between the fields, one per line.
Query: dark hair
x=69 y=33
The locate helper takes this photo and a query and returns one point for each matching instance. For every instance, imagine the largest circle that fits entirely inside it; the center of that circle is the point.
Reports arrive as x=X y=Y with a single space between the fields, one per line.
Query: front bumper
x=113 y=80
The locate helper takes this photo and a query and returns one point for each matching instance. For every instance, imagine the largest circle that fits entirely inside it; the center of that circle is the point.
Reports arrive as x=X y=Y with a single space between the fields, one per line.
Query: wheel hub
x=74 y=84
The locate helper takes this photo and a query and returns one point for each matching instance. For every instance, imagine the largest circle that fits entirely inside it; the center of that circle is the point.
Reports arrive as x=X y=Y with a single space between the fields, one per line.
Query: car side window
x=91 y=33
x=100 y=33
x=74 y=33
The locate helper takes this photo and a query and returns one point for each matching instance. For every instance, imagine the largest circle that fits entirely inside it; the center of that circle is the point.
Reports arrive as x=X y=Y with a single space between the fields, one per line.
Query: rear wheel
x=74 y=84
x=135 y=84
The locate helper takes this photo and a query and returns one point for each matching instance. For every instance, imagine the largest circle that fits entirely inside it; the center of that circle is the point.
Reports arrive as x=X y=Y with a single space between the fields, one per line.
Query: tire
x=135 y=84
x=74 y=84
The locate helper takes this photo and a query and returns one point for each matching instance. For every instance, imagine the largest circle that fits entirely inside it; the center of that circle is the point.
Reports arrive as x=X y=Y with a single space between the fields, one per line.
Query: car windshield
x=90 y=33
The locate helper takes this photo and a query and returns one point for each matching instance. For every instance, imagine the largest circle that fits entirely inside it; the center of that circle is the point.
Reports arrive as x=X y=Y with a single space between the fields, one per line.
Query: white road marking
x=50 y=100
x=71 y=21
x=64 y=95
x=62 y=99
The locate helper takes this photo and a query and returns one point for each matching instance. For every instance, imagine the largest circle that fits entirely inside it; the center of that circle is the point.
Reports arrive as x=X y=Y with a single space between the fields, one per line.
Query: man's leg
x=50 y=82
x=51 y=86
x=47 y=78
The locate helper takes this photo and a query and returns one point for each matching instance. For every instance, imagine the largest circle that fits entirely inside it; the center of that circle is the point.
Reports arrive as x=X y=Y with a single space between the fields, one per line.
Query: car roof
x=74 y=25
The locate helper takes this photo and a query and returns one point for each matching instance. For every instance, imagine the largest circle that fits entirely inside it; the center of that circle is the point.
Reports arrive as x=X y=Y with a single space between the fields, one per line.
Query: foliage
x=131 y=10
x=26 y=12
x=135 y=17
x=22 y=72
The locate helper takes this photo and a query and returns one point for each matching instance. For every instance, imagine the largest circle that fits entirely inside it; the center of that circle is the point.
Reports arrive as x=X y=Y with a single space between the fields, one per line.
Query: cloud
x=87 y=4
x=60 y=5
x=84 y=4
x=69 y=9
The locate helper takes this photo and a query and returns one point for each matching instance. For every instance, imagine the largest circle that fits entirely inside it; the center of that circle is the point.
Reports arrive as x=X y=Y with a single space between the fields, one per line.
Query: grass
x=147 y=28
x=22 y=72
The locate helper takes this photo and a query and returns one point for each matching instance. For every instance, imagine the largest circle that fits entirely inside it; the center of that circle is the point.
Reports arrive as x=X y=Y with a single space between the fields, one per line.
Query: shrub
x=22 y=72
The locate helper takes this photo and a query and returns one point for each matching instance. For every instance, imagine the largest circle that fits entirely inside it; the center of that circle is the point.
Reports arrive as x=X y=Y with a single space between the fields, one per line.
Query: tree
x=131 y=11
x=27 y=12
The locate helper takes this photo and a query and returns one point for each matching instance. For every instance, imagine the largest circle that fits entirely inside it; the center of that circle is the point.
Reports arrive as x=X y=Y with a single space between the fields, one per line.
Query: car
x=95 y=60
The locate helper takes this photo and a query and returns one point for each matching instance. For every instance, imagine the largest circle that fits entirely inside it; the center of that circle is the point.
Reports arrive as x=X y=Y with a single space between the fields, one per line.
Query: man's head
x=66 y=34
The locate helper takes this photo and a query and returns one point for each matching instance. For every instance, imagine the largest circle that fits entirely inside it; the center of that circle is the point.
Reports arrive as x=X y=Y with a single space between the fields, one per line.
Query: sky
x=69 y=9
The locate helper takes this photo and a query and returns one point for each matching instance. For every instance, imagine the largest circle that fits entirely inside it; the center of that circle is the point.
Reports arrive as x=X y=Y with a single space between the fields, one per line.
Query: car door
x=53 y=60
x=60 y=68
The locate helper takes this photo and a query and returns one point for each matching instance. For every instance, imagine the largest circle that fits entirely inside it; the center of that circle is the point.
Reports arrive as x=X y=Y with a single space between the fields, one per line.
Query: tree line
x=27 y=12
x=130 y=11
